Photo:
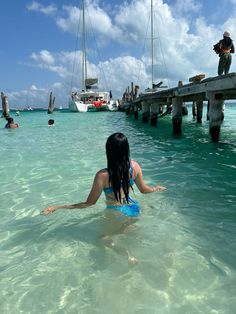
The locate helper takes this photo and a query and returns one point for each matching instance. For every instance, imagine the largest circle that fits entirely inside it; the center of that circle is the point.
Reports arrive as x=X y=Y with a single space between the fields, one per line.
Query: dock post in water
x=216 y=106
x=132 y=91
x=145 y=112
x=199 y=105
x=5 y=106
x=177 y=112
x=194 y=109
x=135 y=112
x=160 y=109
x=208 y=108
x=51 y=103
x=169 y=104
x=136 y=89
x=153 y=115
x=128 y=92
x=214 y=90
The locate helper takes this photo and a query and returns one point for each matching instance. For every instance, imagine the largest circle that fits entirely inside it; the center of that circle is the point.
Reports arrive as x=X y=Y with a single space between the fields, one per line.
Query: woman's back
x=115 y=181
x=109 y=191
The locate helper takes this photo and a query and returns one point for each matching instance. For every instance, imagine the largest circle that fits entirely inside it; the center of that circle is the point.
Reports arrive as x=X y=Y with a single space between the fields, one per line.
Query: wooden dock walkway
x=214 y=90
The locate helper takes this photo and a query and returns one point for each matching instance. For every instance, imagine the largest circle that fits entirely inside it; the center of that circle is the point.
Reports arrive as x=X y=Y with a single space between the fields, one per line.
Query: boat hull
x=79 y=106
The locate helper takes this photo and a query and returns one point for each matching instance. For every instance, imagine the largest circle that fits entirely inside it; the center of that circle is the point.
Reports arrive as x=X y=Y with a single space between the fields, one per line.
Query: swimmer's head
x=50 y=122
x=117 y=150
x=10 y=120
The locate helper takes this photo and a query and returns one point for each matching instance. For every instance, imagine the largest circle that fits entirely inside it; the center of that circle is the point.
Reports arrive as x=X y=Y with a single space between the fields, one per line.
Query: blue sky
x=38 y=49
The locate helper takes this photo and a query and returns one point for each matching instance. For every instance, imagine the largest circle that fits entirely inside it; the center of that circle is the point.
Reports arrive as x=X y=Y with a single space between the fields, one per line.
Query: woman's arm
x=96 y=190
x=142 y=186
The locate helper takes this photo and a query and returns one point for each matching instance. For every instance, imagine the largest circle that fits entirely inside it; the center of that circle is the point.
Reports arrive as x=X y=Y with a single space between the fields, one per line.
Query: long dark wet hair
x=118 y=164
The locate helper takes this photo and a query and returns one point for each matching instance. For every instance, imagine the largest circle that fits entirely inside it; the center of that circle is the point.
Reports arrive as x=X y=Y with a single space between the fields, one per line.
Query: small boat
x=155 y=88
x=89 y=98
x=92 y=101
x=29 y=108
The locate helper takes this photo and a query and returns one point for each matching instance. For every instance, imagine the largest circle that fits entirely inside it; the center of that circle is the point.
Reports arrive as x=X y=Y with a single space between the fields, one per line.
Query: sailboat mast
x=84 y=55
x=152 y=48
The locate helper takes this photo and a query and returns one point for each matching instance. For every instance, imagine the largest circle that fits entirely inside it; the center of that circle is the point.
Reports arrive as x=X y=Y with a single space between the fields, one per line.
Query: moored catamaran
x=90 y=98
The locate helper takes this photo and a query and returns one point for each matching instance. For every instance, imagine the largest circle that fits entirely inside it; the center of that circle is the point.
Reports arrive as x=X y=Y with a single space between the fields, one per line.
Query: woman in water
x=116 y=181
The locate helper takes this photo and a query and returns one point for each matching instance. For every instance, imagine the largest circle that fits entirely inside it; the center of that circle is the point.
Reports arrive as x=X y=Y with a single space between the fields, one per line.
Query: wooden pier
x=154 y=104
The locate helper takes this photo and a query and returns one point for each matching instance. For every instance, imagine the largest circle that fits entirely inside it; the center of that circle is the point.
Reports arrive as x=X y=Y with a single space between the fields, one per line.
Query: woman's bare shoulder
x=102 y=176
x=136 y=168
x=102 y=173
x=135 y=164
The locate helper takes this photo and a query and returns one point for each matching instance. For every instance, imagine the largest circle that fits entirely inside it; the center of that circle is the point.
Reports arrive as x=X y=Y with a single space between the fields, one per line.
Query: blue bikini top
x=131 y=181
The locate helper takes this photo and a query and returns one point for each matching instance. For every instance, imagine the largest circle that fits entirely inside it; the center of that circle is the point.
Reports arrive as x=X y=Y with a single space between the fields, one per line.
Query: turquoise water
x=185 y=239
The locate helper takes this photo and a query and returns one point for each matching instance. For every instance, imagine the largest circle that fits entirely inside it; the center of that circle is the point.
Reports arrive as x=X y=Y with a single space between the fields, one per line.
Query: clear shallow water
x=185 y=239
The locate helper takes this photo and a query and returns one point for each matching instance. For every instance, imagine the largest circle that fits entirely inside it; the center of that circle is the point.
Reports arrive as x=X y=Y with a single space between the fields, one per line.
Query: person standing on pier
x=224 y=48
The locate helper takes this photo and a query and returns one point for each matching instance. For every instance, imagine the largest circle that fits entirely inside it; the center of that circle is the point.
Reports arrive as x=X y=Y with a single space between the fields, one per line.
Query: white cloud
x=37 y=7
x=43 y=56
x=182 y=49
x=122 y=71
x=38 y=96
x=60 y=63
x=186 y=6
x=33 y=88
x=98 y=22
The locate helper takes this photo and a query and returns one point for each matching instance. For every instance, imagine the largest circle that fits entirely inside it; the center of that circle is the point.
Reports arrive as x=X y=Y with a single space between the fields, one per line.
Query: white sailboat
x=89 y=98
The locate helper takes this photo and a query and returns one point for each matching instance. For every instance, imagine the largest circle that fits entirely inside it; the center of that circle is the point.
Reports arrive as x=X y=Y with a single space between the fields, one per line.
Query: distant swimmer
x=50 y=122
x=11 y=124
x=224 y=48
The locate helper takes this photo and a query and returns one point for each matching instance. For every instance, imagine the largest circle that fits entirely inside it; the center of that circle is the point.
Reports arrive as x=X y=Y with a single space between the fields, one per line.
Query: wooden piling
x=5 y=106
x=160 y=109
x=135 y=112
x=208 y=108
x=145 y=112
x=153 y=115
x=199 y=105
x=51 y=103
x=216 y=103
x=136 y=89
x=128 y=92
x=177 y=112
x=169 y=104
x=194 y=109
x=132 y=91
